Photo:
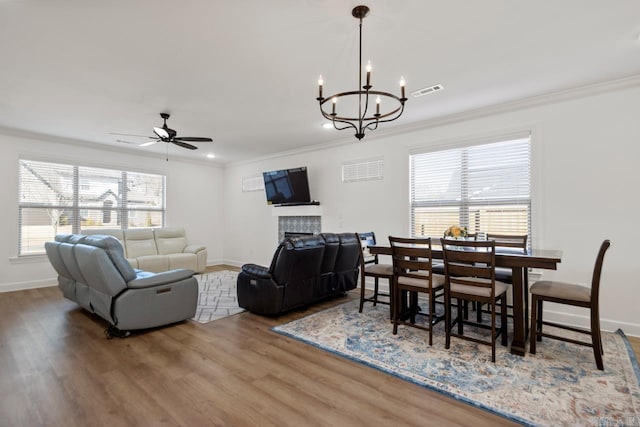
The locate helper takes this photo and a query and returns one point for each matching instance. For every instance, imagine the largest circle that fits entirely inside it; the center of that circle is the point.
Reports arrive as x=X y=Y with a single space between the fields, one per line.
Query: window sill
x=28 y=259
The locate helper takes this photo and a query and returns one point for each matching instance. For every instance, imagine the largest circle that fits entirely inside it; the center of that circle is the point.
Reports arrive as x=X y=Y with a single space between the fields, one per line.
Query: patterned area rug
x=217 y=296
x=560 y=385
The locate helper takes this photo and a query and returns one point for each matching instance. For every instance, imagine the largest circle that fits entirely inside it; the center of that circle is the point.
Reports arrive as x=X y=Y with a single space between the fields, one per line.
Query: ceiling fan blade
x=192 y=139
x=129 y=134
x=184 y=145
x=127 y=142
x=146 y=144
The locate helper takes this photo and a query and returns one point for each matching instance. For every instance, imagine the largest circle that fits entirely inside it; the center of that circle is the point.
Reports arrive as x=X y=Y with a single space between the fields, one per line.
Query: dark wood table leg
x=518 y=343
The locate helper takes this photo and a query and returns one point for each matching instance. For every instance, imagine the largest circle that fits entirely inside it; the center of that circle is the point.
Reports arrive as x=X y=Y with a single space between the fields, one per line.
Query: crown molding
x=505 y=107
x=20 y=133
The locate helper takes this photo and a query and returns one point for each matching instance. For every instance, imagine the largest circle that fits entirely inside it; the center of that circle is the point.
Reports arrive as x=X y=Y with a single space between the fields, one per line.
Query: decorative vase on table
x=456 y=232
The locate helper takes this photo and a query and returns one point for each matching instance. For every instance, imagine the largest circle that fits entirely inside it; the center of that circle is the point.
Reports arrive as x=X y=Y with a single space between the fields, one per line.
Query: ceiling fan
x=168 y=135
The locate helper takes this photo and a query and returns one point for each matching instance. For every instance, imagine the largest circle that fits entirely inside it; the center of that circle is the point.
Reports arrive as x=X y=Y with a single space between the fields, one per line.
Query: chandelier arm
x=370 y=127
x=399 y=110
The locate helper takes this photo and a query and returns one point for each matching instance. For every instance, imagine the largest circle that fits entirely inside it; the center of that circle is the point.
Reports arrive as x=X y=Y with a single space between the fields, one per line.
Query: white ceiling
x=244 y=72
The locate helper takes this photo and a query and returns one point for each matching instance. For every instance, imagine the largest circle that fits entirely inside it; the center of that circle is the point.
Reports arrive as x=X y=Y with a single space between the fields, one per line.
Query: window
x=486 y=188
x=58 y=198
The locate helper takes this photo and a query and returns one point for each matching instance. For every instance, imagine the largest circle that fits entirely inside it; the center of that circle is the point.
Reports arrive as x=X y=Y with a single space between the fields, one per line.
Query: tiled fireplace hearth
x=298 y=219
x=298 y=224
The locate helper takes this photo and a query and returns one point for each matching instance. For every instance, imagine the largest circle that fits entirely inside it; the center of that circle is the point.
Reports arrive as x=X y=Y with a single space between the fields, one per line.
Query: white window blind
x=363 y=170
x=57 y=198
x=252 y=183
x=486 y=188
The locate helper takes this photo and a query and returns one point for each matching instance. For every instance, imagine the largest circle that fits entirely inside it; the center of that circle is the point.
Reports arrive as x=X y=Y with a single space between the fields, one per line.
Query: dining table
x=517 y=261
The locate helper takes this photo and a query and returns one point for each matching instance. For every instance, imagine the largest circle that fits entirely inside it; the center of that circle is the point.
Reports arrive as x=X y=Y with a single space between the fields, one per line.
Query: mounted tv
x=287 y=187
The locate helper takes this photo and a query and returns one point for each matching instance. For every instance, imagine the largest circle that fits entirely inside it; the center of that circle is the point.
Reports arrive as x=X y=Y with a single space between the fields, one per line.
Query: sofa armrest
x=256 y=271
x=147 y=279
x=193 y=249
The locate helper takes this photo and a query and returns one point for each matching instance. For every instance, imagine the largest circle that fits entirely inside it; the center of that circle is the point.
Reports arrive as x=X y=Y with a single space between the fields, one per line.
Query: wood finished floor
x=57 y=369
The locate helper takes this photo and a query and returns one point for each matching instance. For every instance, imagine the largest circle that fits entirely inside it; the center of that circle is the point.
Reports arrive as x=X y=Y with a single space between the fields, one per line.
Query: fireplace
x=298 y=225
x=288 y=234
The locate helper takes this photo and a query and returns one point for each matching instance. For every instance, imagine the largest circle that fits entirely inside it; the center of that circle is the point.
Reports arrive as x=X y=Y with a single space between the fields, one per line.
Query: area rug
x=217 y=296
x=560 y=385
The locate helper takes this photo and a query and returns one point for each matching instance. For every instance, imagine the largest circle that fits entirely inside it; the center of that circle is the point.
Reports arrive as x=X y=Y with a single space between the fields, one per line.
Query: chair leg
x=447 y=319
x=460 y=319
x=392 y=297
x=539 y=325
x=375 y=292
x=493 y=332
x=503 y=320
x=478 y=312
x=396 y=310
x=534 y=327
x=596 y=338
x=362 y=280
x=431 y=306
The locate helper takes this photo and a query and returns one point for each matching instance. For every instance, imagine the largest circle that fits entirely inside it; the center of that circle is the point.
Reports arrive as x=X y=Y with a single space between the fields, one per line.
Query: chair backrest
x=597 y=271
x=470 y=262
x=412 y=258
x=509 y=241
x=170 y=240
x=368 y=238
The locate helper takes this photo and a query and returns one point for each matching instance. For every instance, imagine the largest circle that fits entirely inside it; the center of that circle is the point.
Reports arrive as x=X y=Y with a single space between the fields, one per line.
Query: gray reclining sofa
x=93 y=272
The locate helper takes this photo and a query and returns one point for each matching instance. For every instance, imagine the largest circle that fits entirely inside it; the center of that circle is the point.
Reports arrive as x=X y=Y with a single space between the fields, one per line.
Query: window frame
x=75 y=207
x=465 y=204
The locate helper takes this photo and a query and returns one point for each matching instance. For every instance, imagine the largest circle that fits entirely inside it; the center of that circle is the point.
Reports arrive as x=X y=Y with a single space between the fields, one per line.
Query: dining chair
x=470 y=276
x=412 y=274
x=570 y=294
x=370 y=267
x=516 y=243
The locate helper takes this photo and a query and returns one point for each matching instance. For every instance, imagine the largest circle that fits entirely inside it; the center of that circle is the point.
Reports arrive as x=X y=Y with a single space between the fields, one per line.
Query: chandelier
x=366 y=118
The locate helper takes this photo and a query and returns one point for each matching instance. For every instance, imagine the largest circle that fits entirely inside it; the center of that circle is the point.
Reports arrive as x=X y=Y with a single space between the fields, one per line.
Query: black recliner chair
x=303 y=270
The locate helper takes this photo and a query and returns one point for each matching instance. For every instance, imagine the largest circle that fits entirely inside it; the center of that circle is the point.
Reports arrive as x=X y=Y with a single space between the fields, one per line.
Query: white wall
x=586 y=155
x=194 y=200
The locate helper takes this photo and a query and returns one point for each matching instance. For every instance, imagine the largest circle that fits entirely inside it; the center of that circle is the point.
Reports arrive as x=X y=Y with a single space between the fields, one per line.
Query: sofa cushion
x=181 y=261
x=154 y=263
x=139 y=242
x=170 y=240
x=113 y=248
x=118 y=233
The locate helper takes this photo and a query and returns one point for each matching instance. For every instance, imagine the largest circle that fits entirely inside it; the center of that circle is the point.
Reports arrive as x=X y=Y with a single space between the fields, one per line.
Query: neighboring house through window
x=59 y=198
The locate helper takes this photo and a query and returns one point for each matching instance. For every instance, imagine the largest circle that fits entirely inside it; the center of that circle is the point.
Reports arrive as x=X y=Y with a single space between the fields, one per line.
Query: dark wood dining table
x=517 y=261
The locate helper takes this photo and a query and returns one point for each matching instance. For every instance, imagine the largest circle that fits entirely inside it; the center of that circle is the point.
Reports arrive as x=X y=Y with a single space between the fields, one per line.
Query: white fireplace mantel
x=302 y=210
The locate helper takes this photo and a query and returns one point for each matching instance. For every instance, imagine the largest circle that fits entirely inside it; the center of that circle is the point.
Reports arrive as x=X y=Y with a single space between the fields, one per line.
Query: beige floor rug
x=217 y=296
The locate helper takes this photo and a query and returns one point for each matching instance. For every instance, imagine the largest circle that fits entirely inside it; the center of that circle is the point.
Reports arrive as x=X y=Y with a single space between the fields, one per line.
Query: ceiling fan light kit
x=366 y=118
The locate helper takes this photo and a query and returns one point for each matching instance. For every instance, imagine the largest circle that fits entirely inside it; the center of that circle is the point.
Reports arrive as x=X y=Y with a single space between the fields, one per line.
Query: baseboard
x=22 y=286
x=212 y=262
x=233 y=263
x=583 y=321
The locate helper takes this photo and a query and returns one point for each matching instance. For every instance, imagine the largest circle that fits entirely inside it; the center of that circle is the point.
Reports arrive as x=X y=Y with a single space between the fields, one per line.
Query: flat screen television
x=287 y=186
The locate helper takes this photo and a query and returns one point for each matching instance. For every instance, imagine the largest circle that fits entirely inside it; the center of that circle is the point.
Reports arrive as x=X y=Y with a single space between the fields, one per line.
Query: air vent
x=363 y=170
x=426 y=90
x=252 y=183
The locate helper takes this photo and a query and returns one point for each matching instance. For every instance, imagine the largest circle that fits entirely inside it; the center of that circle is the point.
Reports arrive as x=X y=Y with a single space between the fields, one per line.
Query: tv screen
x=287 y=186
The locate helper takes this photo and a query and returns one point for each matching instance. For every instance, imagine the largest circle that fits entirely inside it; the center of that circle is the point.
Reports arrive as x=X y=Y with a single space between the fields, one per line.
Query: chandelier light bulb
x=378 y=105
x=368 y=75
x=320 y=83
x=402 y=88
x=334 y=101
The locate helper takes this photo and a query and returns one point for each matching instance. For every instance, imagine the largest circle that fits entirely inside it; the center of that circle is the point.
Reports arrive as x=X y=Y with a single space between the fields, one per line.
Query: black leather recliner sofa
x=304 y=270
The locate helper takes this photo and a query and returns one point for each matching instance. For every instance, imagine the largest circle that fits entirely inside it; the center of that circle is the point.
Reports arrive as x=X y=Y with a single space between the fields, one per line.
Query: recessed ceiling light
x=327 y=125
x=211 y=156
